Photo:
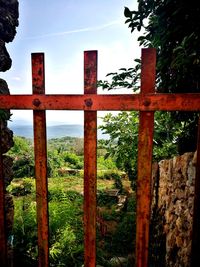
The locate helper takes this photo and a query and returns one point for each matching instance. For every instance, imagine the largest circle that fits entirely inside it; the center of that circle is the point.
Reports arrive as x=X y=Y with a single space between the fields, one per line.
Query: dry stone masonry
x=8 y=23
x=173 y=200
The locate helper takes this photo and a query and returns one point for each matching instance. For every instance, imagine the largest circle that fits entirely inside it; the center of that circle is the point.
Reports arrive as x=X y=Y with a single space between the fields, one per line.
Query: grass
x=71 y=182
x=75 y=183
x=65 y=222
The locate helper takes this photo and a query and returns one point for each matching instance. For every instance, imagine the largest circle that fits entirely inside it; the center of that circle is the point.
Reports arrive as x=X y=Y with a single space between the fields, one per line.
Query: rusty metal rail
x=145 y=148
x=40 y=149
x=146 y=102
x=141 y=102
x=90 y=161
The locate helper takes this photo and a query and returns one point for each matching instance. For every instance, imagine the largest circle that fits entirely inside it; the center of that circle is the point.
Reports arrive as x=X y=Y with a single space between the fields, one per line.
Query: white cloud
x=86 y=29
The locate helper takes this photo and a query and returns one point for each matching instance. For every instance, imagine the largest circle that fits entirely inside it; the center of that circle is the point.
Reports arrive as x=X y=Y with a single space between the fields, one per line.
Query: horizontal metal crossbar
x=141 y=102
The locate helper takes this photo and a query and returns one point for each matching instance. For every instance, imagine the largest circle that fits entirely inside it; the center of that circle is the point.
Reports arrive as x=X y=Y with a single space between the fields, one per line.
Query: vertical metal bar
x=3 y=242
x=90 y=160
x=40 y=148
x=195 y=255
x=145 y=146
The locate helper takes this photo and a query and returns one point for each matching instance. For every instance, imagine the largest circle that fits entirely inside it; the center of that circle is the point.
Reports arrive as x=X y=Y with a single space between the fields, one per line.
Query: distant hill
x=55 y=131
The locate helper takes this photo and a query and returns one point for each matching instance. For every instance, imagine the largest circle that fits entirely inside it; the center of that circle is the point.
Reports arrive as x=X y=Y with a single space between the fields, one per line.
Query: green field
x=115 y=221
x=66 y=222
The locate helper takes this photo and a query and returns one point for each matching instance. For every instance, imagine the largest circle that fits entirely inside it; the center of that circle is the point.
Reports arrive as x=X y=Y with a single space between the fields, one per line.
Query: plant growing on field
x=21 y=187
x=123 y=131
x=178 y=65
x=173 y=29
x=65 y=225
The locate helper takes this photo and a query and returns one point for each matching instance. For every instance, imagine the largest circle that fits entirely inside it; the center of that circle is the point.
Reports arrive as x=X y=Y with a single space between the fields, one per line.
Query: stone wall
x=8 y=23
x=173 y=205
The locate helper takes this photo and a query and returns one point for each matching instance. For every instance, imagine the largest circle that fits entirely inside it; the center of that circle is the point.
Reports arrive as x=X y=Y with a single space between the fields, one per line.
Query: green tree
x=172 y=27
x=21 y=146
x=23 y=166
x=122 y=144
x=123 y=141
x=22 y=154
x=72 y=160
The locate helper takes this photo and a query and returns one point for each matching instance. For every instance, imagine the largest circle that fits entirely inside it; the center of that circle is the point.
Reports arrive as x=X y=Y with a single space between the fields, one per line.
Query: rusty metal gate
x=147 y=102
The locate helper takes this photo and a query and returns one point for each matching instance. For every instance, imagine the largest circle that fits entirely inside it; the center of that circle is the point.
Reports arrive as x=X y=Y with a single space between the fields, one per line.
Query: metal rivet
x=88 y=102
x=36 y=102
x=147 y=102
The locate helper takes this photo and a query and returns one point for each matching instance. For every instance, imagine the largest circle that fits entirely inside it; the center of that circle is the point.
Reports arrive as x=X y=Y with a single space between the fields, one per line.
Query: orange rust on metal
x=3 y=242
x=40 y=149
x=38 y=81
x=145 y=146
x=90 y=160
x=147 y=102
x=195 y=255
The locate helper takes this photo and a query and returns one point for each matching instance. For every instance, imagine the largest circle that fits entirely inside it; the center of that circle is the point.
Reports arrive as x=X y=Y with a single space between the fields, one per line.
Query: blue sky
x=63 y=29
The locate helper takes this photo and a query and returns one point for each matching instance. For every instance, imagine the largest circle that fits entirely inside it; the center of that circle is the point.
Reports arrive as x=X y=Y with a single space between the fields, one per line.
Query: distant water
x=55 y=131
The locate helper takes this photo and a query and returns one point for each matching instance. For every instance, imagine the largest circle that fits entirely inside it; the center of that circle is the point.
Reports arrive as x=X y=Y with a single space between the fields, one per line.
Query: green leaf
x=128 y=20
x=127 y=12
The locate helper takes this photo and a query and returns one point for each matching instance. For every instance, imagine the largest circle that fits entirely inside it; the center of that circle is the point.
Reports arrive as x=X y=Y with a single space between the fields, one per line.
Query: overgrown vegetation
x=65 y=199
x=66 y=222
x=123 y=141
x=173 y=29
x=65 y=215
x=64 y=154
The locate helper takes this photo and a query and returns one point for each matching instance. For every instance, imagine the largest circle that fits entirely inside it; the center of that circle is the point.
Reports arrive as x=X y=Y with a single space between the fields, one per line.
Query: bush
x=65 y=226
x=66 y=229
x=123 y=239
x=111 y=175
x=21 y=146
x=54 y=162
x=59 y=194
x=21 y=188
x=73 y=160
x=105 y=164
x=23 y=166
x=131 y=205
x=25 y=232
x=103 y=199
